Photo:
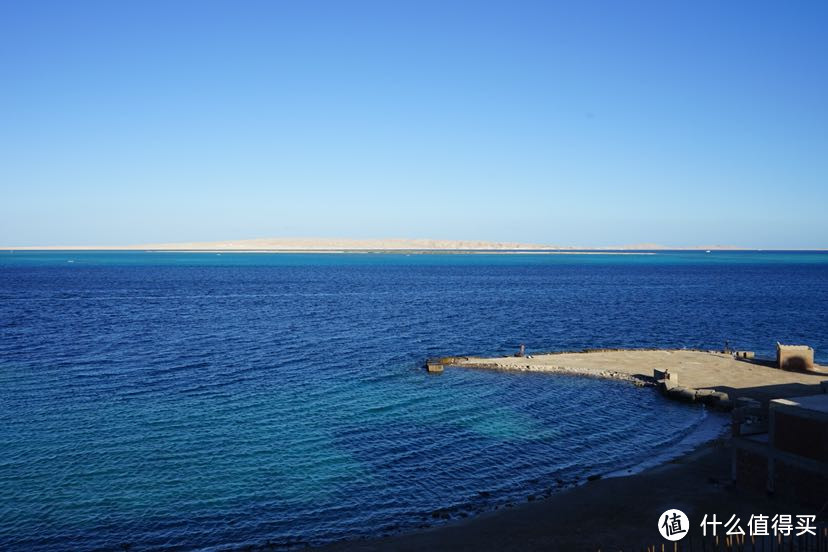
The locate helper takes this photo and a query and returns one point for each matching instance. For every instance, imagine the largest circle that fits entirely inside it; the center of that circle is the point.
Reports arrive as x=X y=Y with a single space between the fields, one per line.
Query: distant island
x=276 y=245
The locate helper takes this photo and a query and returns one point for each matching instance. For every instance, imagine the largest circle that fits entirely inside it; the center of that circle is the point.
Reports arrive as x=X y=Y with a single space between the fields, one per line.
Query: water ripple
x=177 y=402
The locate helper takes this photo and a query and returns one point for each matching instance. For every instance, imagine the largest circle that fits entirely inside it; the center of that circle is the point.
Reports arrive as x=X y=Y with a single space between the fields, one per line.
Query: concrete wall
x=806 y=437
x=794 y=357
x=791 y=460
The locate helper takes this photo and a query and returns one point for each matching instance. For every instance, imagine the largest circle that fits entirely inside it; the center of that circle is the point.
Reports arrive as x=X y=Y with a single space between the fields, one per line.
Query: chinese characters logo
x=780 y=524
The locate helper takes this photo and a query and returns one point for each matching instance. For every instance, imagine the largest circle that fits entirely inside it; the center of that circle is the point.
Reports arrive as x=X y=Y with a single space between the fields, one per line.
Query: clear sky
x=571 y=123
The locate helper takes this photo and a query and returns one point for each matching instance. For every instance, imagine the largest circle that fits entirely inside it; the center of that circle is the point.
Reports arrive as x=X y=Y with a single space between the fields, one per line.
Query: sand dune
x=345 y=244
x=338 y=244
x=317 y=244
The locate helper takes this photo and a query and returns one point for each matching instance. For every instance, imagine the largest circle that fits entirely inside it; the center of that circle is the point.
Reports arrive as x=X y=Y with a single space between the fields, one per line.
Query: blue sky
x=571 y=123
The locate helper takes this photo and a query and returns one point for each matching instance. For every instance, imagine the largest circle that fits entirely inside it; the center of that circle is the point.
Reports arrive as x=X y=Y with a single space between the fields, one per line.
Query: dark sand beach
x=619 y=513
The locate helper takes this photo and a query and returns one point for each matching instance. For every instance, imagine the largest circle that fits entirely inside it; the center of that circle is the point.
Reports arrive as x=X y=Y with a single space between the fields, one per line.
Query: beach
x=619 y=513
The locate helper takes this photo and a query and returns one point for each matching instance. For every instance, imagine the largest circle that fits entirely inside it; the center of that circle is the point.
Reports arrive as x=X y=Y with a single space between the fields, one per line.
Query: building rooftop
x=795 y=347
x=816 y=403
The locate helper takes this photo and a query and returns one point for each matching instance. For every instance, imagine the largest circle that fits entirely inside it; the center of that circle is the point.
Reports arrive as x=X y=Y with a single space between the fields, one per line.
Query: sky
x=582 y=123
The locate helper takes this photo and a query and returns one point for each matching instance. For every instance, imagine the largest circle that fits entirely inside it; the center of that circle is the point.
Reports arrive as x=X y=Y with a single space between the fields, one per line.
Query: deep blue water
x=210 y=401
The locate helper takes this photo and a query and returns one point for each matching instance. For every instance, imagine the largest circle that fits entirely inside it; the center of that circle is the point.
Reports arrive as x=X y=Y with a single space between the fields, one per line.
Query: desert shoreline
x=318 y=244
x=610 y=513
x=329 y=251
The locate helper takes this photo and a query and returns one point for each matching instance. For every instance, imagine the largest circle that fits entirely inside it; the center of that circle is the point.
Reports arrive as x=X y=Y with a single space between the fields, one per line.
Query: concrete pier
x=433 y=367
x=711 y=377
x=436 y=365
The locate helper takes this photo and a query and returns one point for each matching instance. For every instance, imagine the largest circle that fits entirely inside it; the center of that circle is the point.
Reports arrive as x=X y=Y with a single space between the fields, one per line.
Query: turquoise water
x=203 y=401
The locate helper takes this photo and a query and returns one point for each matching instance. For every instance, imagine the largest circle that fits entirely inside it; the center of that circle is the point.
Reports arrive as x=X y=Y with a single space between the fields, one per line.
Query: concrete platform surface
x=695 y=369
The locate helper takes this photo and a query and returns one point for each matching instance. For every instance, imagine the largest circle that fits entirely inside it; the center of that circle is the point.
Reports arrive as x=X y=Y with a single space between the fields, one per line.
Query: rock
x=707 y=396
x=681 y=394
x=724 y=404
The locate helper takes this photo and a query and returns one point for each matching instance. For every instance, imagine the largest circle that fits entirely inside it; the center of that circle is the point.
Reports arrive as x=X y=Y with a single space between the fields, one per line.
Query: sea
x=204 y=401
